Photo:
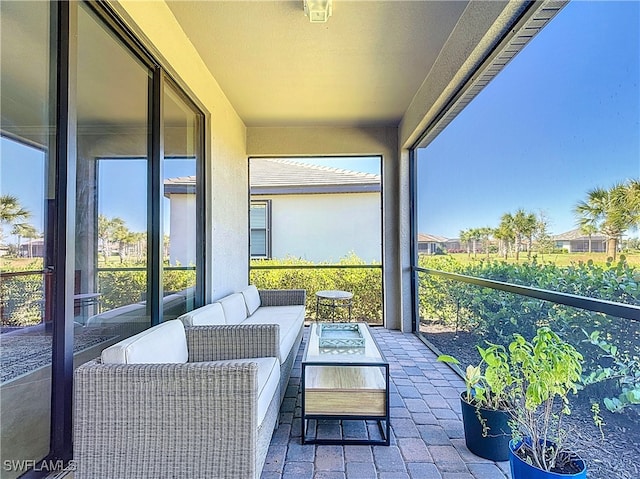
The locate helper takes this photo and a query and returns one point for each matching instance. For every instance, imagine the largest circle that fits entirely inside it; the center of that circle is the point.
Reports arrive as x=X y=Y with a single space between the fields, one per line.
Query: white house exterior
x=312 y=212
x=575 y=241
x=182 y=226
x=431 y=244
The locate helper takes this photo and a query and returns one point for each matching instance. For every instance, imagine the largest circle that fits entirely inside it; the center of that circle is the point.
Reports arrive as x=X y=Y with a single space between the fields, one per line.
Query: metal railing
x=628 y=311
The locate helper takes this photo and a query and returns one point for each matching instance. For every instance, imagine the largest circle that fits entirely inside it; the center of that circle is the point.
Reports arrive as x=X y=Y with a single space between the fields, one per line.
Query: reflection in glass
x=26 y=198
x=181 y=149
x=111 y=203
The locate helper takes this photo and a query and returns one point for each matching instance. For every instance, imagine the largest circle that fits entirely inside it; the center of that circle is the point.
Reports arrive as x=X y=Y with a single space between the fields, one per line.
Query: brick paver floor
x=427 y=439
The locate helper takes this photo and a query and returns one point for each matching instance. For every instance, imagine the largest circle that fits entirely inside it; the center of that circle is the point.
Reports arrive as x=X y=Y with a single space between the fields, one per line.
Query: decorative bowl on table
x=341 y=336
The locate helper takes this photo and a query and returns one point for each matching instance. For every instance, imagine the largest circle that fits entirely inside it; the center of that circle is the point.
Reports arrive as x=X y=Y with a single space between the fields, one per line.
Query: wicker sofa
x=176 y=401
x=195 y=397
x=251 y=307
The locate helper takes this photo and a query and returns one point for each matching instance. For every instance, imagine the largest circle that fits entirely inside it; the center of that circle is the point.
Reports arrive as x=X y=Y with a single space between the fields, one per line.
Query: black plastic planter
x=493 y=445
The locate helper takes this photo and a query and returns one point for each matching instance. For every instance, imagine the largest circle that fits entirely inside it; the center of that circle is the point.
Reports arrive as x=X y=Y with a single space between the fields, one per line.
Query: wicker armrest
x=123 y=413
x=282 y=297
x=240 y=341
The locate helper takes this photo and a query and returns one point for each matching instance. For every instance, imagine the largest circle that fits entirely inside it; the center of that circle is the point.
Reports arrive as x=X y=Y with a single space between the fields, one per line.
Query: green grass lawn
x=564 y=259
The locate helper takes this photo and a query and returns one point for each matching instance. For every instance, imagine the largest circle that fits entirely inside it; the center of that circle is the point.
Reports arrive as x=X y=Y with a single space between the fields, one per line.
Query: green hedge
x=365 y=282
x=493 y=315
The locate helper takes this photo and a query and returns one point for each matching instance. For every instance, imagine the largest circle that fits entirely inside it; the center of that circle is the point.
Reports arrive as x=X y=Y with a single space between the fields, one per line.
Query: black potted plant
x=545 y=371
x=486 y=402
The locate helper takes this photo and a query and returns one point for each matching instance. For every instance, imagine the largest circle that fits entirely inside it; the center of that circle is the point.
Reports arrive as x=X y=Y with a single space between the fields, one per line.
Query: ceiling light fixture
x=318 y=11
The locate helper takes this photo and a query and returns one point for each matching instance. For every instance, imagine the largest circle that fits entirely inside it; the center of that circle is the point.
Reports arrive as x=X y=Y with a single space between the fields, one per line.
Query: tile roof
x=281 y=176
x=270 y=174
x=180 y=185
x=426 y=237
x=577 y=235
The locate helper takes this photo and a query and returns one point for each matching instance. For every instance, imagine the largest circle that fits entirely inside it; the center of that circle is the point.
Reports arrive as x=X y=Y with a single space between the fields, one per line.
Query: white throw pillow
x=251 y=298
x=235 y=311
x=164 y=343
x=210 y=314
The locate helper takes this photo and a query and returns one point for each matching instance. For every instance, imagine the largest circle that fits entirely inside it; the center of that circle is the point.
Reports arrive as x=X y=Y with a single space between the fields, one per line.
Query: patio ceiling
x=361 y=68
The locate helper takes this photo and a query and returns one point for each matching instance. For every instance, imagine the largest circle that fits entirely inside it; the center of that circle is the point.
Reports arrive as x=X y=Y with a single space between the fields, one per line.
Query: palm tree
x=524 y=225
x=505 y=233
x=108 y=229
x=611 y=211
x=31 y=233
x=465 y=238
x=11 y=211
x=485 y=236
x=589 y=229
x=24 y=230
x=474 y=236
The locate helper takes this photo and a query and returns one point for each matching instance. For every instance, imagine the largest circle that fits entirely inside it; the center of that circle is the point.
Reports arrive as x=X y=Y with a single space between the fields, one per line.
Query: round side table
x=333 y=299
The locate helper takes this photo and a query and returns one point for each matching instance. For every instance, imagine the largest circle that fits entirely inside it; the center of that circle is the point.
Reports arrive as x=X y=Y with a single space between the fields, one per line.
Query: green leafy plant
x=622 y=368
x=546 y=370
x=490 y=388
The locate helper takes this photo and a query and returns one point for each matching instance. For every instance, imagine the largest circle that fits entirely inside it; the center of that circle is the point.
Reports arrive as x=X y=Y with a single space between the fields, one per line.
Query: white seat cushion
x=251 y=298
x=204 y=316
x=268 y=382
x=289 y=318
x=235 y=311
x=164 y=343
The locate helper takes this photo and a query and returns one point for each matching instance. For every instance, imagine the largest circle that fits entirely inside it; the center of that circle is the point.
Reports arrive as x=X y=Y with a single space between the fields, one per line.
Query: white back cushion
x=204 y=316
x=164 y=343
x=251 y=298
x=235 y=311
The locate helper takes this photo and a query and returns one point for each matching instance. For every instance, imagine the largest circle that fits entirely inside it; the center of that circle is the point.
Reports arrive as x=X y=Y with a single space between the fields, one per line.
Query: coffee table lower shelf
x=346 y=392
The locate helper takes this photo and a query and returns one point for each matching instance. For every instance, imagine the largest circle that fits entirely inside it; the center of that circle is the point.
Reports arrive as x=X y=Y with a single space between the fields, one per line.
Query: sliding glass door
x=102 y=211
x=27 y=195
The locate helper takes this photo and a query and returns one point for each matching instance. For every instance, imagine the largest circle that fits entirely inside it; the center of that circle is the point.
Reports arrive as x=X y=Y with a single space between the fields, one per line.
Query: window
x=260 y=237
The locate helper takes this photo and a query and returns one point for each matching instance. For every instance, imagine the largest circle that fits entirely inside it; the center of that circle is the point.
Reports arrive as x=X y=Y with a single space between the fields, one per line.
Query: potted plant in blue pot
x=486 y=402
x=545 y=371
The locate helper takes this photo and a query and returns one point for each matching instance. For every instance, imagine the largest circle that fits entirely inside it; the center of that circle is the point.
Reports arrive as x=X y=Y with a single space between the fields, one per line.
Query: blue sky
x=122 y=192
x=562 y=118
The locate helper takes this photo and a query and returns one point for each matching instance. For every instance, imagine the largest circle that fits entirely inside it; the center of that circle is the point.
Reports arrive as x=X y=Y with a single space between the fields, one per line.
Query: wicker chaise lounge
x=176 y=402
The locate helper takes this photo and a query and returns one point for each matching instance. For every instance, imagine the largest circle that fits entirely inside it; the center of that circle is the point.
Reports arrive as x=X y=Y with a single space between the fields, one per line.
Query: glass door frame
x=64 y=48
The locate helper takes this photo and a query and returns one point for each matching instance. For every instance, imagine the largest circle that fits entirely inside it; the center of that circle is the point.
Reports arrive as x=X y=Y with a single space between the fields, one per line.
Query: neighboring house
x=32 y=249
x=453 y=245
x=312 y=212
x=181 y=192
x=431 y=244
x=575 y=241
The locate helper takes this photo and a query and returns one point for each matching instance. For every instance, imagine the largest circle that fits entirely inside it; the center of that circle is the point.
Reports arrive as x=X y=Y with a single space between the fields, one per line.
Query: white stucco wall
x=226 y=172
x=365 y=141
x=182 y=230
x=327 y=227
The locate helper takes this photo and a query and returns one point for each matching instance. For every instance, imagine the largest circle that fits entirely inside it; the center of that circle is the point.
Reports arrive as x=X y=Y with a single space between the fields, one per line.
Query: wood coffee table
x=344 y=377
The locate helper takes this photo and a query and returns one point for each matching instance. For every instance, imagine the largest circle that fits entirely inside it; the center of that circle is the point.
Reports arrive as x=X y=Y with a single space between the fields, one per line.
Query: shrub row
x=493 y=315
x=365 y=282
